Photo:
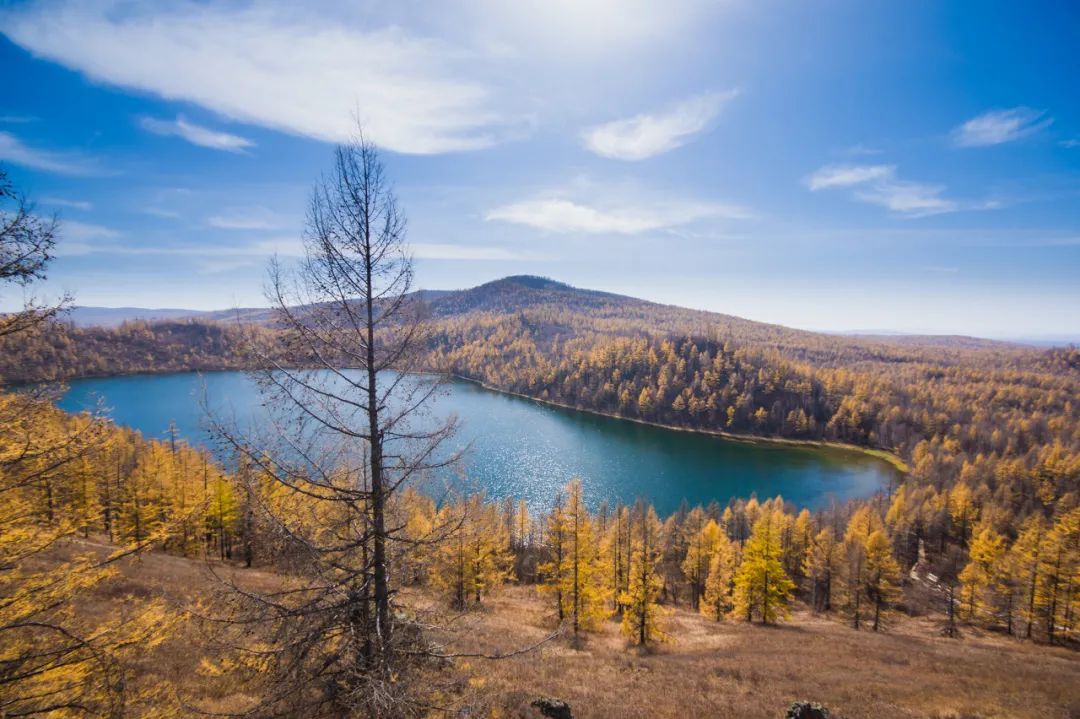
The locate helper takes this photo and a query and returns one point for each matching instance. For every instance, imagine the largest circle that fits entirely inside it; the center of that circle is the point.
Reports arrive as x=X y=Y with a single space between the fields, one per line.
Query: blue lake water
x=523 y=448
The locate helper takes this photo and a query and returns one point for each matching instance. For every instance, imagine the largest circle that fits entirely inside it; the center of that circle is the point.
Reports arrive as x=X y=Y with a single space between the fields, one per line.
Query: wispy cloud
x=911 y=199
x=14 y=151
x=196 y=134
x=404 y=88
x=218 y=265
x=81 y=231
x=247 y=218
x=880 y=185
x=84 y=238
x=567 y=216
x=73 y=204
x=161 y=213
x=17 y=119
x=1000 y=126
x=648 y=135
x=87 y=239
x=848 y=175
x=1070 y=143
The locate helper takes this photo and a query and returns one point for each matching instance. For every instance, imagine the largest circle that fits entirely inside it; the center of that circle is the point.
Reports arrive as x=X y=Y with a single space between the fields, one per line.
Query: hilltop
x=520 y=292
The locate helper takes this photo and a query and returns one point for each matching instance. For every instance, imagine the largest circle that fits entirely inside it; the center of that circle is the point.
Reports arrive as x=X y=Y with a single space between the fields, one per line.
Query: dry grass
x=728 y=669
x=732 y=669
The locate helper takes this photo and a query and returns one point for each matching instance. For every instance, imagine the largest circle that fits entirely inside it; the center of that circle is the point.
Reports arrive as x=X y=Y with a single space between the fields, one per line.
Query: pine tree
x=863 y=523
x=980 y=578
x=822 y=565
x=701 y=545
x=1026 y=559
x=882 y=573
x=642 y=616
x=582 y=591
x=57 y=662
x=616 y=553
x=762 y=587
x=551 y=571
x=718 y=586
x=475 y=558
x=1058 y=566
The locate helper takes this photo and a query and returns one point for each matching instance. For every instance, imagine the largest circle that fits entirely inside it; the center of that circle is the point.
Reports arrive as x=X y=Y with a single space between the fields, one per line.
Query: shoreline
x=884 y=455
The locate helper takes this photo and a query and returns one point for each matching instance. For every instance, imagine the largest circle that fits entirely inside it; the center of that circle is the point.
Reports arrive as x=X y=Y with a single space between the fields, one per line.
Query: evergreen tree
x=642 y=615
x=581 y=574
x=882 y=574
x=762 y=587
x=980 y=578
x=720 y=582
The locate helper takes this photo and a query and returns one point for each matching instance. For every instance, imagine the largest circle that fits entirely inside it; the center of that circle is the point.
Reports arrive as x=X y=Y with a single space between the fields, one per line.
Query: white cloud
x=880 y=185
x=847 y=175
x=83 y=231
x=73 y=204
x=647 y=135
x=1070 y=143
x=911 y=199
x=310 y=75
x=1000 y=126
x=572 y=31
x=247 y=218
x=83 y=238
x=196 y=134
x=566 y=216
x=79 y=239
x=14 y=151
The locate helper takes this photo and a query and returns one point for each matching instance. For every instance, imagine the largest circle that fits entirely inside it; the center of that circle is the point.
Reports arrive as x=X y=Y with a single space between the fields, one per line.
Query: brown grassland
x=727 y=669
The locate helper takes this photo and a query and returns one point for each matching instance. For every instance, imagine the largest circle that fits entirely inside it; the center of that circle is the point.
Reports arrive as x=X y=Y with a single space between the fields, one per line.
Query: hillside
x=520 y=292
x=725 y=669
x=154 y=340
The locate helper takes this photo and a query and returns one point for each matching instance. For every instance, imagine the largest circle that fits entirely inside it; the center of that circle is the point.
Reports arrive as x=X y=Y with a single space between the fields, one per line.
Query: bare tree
x=347 y=431
x=26 y=249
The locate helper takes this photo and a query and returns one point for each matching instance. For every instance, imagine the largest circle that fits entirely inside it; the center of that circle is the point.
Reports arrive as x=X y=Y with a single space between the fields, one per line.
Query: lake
x=523 y=448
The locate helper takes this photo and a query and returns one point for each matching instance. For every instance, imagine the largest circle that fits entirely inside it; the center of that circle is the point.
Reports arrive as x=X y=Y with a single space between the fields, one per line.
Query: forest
x=946 y=555
x=333 y=586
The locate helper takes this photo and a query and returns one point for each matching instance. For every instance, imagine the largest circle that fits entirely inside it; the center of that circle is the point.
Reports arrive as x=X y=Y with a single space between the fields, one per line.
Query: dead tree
x=347 y=430
x=26 y=249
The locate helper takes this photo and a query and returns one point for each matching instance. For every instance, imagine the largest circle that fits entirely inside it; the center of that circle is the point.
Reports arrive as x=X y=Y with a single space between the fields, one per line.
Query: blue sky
x=834 y=165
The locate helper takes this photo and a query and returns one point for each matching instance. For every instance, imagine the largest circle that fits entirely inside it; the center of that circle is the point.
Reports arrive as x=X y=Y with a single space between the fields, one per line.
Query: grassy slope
x=728 y=669
x=737 y=670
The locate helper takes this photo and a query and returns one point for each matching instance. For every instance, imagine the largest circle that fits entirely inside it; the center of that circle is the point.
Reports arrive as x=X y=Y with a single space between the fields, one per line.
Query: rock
x=553 y=708
x=806 y=710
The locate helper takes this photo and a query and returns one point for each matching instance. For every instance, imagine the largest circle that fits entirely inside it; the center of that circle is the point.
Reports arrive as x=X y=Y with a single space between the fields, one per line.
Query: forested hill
x=554 y=317
x=609 y=313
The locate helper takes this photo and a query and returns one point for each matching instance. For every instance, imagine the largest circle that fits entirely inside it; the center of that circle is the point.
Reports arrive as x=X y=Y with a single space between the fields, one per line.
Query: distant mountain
x=593 y=309
x=520 y=292
x=116 y=316
x=108 y=317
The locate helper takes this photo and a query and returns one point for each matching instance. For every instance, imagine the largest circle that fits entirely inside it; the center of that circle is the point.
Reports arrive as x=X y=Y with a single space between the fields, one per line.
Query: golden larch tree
x=762 y=587
x=642 y=615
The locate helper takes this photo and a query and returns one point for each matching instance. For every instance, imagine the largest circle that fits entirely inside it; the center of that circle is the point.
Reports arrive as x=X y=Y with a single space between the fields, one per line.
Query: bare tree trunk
x=341 y=389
